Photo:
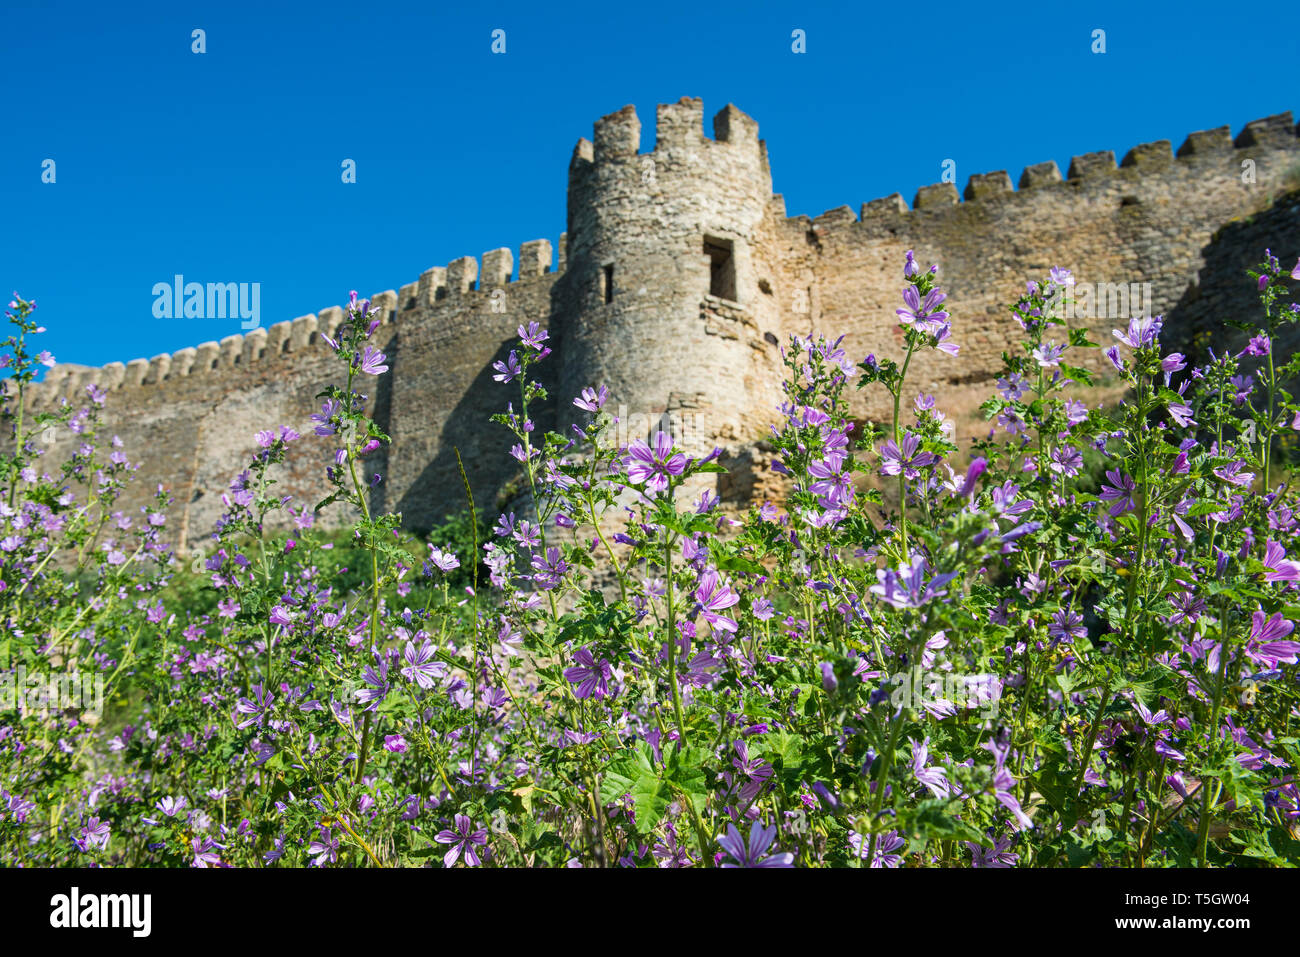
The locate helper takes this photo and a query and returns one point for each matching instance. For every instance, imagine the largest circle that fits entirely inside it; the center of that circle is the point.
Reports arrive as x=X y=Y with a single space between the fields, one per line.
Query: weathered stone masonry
x=678 y=276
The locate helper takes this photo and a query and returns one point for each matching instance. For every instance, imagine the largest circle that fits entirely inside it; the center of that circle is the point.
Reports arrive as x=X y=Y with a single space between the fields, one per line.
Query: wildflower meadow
x=1069 y=644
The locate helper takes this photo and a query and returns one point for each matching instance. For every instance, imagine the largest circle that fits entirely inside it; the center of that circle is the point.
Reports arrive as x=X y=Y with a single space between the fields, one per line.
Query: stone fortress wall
x=678 y=278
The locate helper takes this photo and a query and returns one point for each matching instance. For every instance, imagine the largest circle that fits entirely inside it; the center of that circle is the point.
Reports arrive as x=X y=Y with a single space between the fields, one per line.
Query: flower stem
x=1203 y=831
x=898 y=442
x=672 y=638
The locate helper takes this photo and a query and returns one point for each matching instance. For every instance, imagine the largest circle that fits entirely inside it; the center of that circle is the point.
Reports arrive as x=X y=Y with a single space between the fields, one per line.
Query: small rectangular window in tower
x=607 y=283
x=722 y=268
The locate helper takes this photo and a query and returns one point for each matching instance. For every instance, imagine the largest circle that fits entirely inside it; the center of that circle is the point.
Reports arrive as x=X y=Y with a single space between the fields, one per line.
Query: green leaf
x=735 y=563
x=1079 y=337
x=685 y=773
x=931 y=821
x=328 y=500
x=784 y=750
x=1076 y=373
x=635 y=775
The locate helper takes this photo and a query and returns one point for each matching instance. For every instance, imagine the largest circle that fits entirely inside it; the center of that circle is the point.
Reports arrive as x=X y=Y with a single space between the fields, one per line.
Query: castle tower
x=667 y=295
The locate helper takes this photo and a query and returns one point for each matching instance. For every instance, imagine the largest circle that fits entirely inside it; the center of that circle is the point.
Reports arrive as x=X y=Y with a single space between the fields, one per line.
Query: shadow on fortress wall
x=438 y=491
x=1224 y=291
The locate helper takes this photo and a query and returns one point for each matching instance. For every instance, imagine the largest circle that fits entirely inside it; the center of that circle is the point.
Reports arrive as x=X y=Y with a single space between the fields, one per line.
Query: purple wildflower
x=924 y=314
x=533 y=336
x=1048 y=354
x=257 y=709
x=329 y=408
x=549 y=570
x=654 y=465
x=1265 y=644
x=372 y=361
x=379 y=685
x=324 y=849
x=1065 y=460
x=592 y=400
x=829 y=681
x=443 y=561
x=1280 y=568
x=907 y=461
x=590 y=676
x=1141 y=332
x=713 y=596
x=420 y=666
x=506 y=371
x=833 y=487
x=935 y=779
x=886 y=844
x=1012 y=387
x=1066 y=624
x=997 y=856
x=96 y=833
x=1120 y=491
x=754 y=853
x=756 y=772
x=463 y=839
x=204 y=855
x=907 y=587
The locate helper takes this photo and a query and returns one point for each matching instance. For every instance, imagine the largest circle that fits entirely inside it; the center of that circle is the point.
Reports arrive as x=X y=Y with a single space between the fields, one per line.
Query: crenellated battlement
x=1259 y=139
x=446 y=289
x=679 y=129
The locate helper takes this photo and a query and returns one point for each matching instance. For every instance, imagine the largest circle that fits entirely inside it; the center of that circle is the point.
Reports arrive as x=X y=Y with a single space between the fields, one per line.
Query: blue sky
x=225 y=166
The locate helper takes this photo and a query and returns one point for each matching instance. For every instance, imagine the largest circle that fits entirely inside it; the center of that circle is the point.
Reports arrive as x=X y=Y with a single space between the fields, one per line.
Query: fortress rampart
x=677 y=277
